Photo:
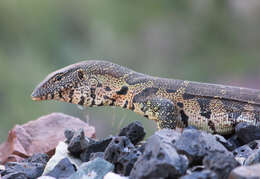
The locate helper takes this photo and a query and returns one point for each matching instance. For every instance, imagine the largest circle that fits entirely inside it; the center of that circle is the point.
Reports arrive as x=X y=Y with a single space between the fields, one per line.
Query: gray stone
x=94 y=169
x=233 y=140
x=168 y=135
x=246 y=172
x=31 y=167
x=134 y=131
x=38 y=158
x=159 y=160
x=254 y=158
x=123 y=154
x=30 y=170
x=242 y=153
x=76 y=143
x=61 y=153
x=15 y=175
x=69 y=133
x=229 y=145
x=205 y=174
x=93 y=146
x=196 y=144
x=220 y=163
x=62 y=170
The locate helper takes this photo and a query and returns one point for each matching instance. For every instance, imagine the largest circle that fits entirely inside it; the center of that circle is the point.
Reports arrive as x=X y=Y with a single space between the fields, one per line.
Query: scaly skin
x=171 y=103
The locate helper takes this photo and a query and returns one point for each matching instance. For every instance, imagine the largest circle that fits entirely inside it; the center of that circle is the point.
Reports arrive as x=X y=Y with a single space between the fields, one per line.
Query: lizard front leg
x=162 y=111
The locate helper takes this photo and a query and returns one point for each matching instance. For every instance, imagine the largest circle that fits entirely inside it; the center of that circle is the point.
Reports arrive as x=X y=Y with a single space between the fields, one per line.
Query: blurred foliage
x=210 y=41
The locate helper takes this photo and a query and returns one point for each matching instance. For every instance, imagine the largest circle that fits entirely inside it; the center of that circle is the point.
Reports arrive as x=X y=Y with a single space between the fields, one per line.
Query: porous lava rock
x=134 y=131
x=30 y=168
x=220 y=163
x=247 y=133
x=160 y=159
x=122 y=153
x=197 y=144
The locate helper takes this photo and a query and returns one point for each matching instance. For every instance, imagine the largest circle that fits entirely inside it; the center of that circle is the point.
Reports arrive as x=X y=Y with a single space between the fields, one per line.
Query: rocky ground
x=166 y=154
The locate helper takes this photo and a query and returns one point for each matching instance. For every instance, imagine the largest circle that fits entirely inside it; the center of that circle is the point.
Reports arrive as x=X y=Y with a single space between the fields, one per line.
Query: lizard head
x=62 y=84
x=87 y=83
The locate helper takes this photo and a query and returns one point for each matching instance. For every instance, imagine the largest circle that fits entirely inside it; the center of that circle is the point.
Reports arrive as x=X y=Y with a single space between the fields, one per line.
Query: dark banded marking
x=82 y=100
x=71 y=96
x=126 y=103
x=132 y=107
x=184 y=118
x=52 y=95
x=187 y=96
x=112 y=102
x=206 y=114
x=60 y=95
x=107 y=88
x=212 y=126
x=122 y=91
x=170 y=91
x=111 y=99
x=92 y=93
x=180 y=104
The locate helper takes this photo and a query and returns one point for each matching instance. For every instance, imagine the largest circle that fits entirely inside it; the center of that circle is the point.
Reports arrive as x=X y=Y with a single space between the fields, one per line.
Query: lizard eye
x=80 y=74
x=58 y=78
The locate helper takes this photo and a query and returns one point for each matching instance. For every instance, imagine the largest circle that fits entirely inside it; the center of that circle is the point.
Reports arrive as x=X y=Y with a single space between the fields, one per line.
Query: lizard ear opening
x=80 y=74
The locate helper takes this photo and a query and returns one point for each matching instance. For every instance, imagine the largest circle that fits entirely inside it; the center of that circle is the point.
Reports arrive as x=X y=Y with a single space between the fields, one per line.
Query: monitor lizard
x=171 y=103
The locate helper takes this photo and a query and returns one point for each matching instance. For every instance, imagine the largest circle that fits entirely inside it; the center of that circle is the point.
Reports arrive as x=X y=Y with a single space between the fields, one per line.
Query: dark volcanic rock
x=38 y=158
x=96 y=154
x=220 y=163
x=15 y=175
x=159 y=160
x=168 y=135
x=235 y=143
x=196 y=144
x=205 y=174
x=62 y=170
x=76 y=143
x=31 y=168
x=228 y=144
x=134 y=131
x=246 y=172
x=81 y=146
x=122 y=153
x=93 y=146
x=247 y=133
x=69 y=133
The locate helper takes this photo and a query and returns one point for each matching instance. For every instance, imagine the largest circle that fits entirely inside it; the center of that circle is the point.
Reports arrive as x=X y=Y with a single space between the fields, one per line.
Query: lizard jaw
x=35 y=95
x=36 y=98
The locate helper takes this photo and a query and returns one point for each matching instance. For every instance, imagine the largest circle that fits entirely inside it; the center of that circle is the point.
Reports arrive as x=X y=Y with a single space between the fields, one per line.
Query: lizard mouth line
x=36 y=98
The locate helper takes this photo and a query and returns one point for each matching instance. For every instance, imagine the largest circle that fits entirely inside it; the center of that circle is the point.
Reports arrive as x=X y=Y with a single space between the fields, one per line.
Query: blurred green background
x=210 y=41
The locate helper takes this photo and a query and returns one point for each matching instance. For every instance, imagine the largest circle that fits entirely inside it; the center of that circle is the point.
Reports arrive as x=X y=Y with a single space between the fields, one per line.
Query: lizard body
x=171 y=103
